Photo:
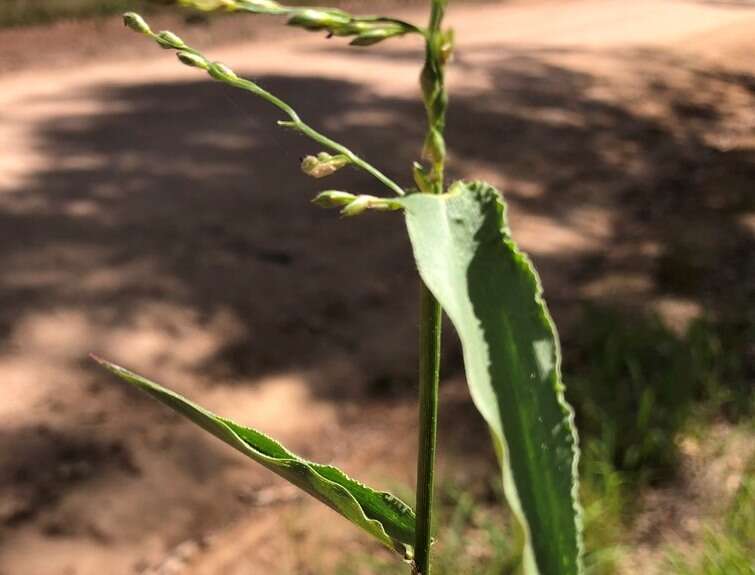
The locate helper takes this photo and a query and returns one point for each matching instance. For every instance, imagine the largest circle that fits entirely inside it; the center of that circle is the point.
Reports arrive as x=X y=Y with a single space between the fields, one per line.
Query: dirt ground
x=160 y=220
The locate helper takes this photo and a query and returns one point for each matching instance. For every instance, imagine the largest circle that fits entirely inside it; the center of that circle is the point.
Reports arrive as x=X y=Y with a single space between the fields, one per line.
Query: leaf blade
x=379 y=513
x=492 y=294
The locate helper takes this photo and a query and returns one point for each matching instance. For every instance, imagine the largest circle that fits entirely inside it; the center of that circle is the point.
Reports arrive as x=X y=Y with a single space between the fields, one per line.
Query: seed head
x=136 y=22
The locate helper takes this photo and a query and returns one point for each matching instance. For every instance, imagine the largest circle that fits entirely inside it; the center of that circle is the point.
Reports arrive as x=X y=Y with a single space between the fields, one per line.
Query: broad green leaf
x=379 y=513
x=492 y=294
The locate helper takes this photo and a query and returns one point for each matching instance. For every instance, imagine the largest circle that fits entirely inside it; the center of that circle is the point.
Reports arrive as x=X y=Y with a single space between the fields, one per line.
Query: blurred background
x=160 y=220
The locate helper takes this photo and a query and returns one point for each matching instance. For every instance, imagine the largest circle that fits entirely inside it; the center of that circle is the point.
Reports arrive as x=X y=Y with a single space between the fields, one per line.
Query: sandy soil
x=159 y=219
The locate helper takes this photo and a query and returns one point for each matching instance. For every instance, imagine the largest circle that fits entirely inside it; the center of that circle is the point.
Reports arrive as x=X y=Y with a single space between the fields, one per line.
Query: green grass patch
x=637 y=386
x=729 y=547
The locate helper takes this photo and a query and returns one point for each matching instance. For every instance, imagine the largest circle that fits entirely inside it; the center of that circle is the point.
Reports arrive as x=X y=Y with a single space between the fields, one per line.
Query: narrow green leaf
x=380 y=514
x=493 y=296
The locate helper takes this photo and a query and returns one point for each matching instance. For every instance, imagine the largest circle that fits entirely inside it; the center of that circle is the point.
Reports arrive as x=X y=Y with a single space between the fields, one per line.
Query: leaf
x=491 y=292
x=381 y=514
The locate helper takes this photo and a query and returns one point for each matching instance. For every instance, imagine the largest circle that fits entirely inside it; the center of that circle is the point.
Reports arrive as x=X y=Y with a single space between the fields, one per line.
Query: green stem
x=434 y=94
x=429 y=375
x=299 y=125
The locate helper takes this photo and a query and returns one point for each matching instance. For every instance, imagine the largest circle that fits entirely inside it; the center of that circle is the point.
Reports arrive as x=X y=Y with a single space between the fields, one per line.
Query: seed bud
x=136 y=22
x=333 y=199
x=313 y=19
x=359 y=205
x=374 y=36
x=193 y=60
x=221 y=72
x=169 y=40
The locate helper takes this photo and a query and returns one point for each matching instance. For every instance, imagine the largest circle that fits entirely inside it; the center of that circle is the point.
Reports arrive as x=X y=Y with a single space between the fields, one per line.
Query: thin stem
x=299 y=125
x=435 y=99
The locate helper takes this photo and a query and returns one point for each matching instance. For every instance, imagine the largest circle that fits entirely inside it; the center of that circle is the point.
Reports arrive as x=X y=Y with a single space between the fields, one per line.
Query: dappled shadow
x=191 y=196
x=662 y=155
x=187 y=195
x=70 y=460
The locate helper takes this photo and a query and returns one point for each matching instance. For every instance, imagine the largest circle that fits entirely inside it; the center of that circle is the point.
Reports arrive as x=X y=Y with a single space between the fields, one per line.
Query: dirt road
x=160 y=220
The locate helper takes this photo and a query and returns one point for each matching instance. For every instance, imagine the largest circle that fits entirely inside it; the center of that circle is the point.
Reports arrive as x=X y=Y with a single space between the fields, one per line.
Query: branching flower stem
x=222 y=73
x=438 y=48
x=365 y=30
